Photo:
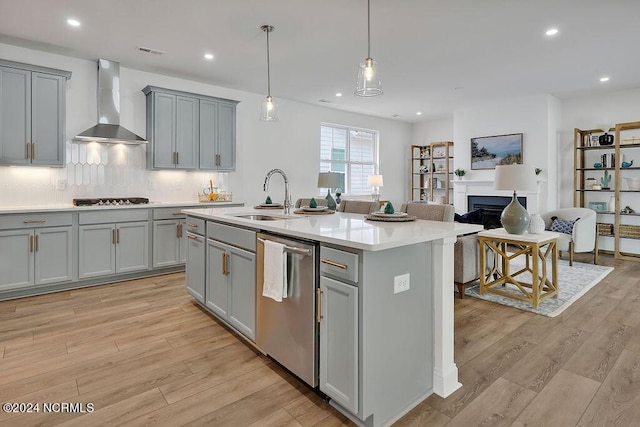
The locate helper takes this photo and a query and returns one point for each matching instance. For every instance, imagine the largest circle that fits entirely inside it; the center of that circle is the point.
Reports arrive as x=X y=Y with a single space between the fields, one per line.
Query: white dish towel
x=275 y=271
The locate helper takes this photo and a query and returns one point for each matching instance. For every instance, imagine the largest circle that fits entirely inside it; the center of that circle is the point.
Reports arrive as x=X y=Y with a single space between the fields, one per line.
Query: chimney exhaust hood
x=108 y=129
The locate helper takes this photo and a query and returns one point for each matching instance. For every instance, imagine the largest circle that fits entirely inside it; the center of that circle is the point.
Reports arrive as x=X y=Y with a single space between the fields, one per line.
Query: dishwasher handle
x=294 y=250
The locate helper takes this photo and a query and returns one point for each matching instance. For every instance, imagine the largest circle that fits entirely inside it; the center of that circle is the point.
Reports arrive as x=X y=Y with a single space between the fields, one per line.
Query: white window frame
x=348 y=162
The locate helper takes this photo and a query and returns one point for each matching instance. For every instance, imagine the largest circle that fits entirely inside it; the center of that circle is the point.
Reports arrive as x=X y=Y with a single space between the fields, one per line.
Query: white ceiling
x=435 y=55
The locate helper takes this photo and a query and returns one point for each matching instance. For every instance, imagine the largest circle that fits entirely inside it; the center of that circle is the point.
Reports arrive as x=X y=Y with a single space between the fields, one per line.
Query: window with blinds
x=351 y=151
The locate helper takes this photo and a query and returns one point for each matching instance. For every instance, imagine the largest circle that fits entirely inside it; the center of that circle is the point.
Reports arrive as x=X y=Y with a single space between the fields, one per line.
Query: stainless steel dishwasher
x=287 y=331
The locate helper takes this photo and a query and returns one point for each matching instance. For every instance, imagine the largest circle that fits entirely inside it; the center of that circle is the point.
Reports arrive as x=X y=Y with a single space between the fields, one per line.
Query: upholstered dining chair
x=583 y=235
x=358 y=206
x=305 y=202
x=466 y=250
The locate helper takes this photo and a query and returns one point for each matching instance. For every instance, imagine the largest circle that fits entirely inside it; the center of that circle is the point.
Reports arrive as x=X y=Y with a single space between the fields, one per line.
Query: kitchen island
x=394 y=348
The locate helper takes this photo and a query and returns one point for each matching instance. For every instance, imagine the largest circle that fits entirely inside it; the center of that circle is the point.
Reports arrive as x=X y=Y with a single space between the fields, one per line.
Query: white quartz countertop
x=345 y=229
x=70 y=207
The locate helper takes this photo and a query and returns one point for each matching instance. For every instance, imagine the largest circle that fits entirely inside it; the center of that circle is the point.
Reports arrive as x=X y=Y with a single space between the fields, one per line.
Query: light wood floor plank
x=188 y=410
x=561 y=403
x=595 y=358
x=546 y=359
x=617 y=402
x=279 y=418
x=498 y=406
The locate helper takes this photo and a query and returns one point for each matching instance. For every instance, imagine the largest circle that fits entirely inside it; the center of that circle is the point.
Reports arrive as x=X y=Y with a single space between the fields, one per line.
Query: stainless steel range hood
x=108 y=129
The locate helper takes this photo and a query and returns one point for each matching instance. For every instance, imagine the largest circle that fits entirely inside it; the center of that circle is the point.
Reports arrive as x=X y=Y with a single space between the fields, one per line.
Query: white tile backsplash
x=102 y=170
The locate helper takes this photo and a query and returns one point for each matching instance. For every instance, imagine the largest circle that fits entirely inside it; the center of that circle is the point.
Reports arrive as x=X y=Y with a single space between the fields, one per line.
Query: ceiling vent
x=149 y=50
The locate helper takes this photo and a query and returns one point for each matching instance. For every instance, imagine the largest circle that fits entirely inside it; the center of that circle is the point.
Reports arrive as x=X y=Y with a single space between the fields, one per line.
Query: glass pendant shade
x=369 y=80
x=269 y=112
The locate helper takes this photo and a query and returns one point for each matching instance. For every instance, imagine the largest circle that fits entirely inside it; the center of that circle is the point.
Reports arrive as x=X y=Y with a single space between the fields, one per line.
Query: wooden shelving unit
x=616 y=224
x=432 y=172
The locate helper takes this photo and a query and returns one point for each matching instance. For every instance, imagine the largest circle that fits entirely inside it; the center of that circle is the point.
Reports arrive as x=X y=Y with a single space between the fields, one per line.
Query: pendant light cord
x=268 y=30
x=368 y=28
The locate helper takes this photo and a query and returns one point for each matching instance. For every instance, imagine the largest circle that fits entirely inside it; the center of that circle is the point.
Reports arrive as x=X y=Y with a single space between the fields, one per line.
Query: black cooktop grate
x=111 y=201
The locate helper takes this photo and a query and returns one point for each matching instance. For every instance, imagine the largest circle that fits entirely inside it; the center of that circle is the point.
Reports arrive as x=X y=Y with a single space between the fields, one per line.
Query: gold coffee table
x=536 y=248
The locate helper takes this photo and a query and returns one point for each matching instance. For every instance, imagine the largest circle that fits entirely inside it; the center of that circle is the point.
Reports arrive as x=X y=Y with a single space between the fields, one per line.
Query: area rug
x=573 y=282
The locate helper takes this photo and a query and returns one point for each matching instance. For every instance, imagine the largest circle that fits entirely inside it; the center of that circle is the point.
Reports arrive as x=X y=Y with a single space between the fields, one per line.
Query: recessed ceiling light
x=208 y=56
x=339 y=94
x=419 y=113
x=73 y=22
x=551 y=31
x=604 y=79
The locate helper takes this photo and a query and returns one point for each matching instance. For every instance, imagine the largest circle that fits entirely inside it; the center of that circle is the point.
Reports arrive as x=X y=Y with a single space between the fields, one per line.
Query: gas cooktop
x=111 y=201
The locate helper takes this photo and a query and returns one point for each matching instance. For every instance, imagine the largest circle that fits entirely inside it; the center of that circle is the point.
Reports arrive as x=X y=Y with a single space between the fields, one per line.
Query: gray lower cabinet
x=32 y=115
x=35 y=256
x=169 y=243
x=195 y=269
x=231 y=285
x=113 y=248
x=339 y=342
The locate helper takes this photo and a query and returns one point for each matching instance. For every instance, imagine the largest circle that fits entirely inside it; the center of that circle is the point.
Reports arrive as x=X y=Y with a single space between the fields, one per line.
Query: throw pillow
x=473 y=217
x=562 y=226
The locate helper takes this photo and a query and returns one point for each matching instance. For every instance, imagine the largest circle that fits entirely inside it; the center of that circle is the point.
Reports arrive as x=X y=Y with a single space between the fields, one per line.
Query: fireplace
x=492 y=207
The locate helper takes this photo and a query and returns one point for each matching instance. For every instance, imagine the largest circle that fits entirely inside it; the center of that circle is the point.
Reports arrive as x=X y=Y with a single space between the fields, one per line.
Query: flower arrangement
x=459 y=172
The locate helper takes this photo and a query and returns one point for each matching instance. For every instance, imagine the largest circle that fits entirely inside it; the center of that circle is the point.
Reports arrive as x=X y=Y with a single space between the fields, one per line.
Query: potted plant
x=459 y=173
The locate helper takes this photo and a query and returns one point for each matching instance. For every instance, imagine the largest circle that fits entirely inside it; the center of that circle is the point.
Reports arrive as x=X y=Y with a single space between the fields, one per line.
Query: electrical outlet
x=151 y=185
x=401 y=283
x=61 y=184
x=178 y=185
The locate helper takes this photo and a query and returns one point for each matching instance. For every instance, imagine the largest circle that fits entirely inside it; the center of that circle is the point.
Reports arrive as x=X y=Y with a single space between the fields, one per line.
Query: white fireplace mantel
x=466 y=187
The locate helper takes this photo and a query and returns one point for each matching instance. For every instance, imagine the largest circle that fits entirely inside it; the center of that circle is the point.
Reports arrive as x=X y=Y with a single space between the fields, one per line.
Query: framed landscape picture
x=489 y=151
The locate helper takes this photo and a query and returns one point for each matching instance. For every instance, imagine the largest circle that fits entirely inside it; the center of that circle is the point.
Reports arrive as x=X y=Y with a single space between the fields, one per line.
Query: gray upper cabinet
x=172 y=128
x=32 y=114
x=189 y=131
x=217 y=135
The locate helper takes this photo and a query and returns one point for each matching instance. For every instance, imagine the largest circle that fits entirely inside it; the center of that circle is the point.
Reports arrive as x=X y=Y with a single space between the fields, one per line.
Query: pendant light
x=269 y=111
x=369 y=82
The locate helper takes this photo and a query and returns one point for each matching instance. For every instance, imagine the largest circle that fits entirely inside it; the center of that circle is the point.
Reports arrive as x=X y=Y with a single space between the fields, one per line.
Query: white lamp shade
x=514 y=178
x=375 y=181
x=329 y=179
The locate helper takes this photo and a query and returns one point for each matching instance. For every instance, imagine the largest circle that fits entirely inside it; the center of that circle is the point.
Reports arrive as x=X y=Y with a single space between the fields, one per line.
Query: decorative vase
x=515 y=218
x=536 y=224
x=612 y=204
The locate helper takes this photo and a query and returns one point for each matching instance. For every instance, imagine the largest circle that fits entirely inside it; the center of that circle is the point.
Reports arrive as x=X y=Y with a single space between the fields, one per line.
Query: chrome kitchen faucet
x=287 y=197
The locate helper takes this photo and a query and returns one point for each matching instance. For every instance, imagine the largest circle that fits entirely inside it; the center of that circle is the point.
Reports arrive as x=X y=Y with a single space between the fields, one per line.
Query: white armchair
x=583 y=237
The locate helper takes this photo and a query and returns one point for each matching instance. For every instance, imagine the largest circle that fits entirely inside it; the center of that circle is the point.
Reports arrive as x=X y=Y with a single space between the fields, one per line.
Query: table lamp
x=375 y=181
x=514 y=217
x=330 y=180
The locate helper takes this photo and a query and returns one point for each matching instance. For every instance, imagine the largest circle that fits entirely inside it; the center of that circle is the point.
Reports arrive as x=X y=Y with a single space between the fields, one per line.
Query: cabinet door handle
x=334 y=264
x=318 y=305
x=177 y=213
x=30 y=243
x=224 y=264
x=37 y=242
x=179 y=231
x=34 y=221
x=33 y=151
x=189 y=224
x=218 y=160
x=191 y=236
x=28 y=153
x=177 y=158
x=113 y=236
x=118 y=236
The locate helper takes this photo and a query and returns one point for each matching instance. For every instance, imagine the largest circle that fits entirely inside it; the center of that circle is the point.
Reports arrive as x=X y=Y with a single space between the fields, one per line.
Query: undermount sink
x=261 y=217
